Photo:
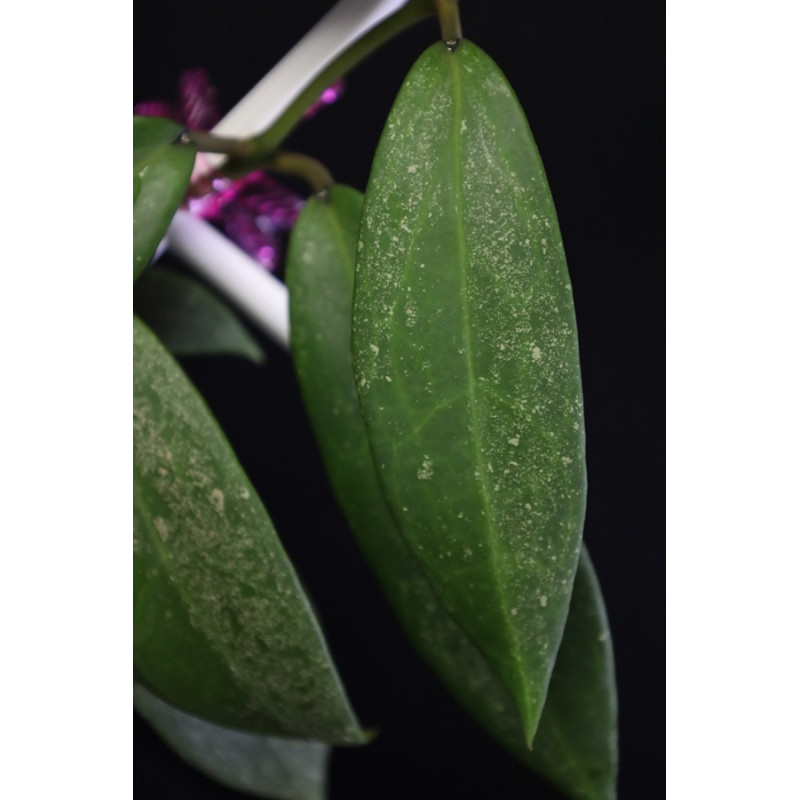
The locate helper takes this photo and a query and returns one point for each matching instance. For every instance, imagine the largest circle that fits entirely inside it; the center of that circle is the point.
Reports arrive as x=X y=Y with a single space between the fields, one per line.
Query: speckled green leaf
x=189 y=319
x=466 y=362
x=575 y=746
x=263 y=766
x=222 y=627
x=161 y=173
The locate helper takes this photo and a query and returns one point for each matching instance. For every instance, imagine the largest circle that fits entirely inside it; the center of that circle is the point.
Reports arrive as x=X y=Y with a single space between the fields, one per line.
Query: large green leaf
x=575 y=746
x=466 y=359
x=264 y=766
x=189 y=319
x=222 y=628
x=162 y=168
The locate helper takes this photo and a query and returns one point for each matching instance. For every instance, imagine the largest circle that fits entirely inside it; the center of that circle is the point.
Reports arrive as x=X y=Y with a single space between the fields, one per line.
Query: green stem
x=302 y=166
x=449 y=21
x=240 y=149
x=259 y=147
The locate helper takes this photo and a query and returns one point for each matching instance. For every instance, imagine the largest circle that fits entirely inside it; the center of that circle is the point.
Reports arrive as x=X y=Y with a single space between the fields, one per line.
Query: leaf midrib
x=472 y=401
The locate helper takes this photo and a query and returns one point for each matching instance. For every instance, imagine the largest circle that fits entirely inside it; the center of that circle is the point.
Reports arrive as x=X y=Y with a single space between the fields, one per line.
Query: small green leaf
x=575 y=746
x=161 y=172
x=283 y=769
x=466 y=360
x=189 y=319
x=222 y=627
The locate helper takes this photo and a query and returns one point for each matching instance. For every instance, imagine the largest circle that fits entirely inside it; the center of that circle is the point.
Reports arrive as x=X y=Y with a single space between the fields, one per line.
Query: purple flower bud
x=330 y=95
x=198 y=100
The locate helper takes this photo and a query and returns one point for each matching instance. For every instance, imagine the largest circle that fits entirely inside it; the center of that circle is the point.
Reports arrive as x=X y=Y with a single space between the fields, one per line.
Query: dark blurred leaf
x=189 y=319
x=284 y=769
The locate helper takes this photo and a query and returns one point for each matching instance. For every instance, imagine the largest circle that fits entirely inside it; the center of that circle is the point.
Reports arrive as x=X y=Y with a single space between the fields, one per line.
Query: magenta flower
x=255 y=211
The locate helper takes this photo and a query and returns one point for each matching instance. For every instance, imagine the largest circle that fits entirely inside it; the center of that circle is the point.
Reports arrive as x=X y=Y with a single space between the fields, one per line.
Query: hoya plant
x=429 y=321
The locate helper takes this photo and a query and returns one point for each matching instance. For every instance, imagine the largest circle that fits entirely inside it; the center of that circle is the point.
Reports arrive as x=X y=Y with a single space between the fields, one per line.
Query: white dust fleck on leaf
x=217 y=499
x=162 y=528
x=425 y=472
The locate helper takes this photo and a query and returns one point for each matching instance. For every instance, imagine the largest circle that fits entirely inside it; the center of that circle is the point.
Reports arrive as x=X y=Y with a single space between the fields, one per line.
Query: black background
x=590 y=77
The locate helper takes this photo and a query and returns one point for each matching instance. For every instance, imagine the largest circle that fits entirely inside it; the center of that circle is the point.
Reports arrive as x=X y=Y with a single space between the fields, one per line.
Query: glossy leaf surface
x=189 y=319
x=466 y=362
x=222 y=627
x=575 y=746
x=161 y=173
x=263 y=766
